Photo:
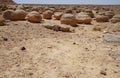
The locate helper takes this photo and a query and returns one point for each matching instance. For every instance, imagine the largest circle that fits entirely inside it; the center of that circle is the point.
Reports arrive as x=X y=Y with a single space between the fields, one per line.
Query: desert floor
x=28 y=50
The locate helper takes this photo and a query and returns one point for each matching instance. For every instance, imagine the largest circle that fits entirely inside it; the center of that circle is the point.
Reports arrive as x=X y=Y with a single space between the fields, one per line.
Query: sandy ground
x=28 y=50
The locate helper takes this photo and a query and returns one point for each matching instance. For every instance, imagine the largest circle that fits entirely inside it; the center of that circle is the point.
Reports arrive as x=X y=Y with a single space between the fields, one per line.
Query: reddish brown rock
x=83 y=18
x=2 y=21
x=48 y=14
x=14 y=15
x=34 y=17
x=68 y=19
x=102 y=18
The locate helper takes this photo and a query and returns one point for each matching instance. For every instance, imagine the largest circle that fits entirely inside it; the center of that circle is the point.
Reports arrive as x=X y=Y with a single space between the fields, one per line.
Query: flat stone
x=55 y=27
x=48 y=25
x=111 y=37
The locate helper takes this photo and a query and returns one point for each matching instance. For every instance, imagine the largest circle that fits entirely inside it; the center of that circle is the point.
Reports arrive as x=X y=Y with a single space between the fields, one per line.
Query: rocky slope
x=6 y=1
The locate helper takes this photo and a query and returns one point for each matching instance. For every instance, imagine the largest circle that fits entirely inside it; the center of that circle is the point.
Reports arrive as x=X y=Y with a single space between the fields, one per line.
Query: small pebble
x=103 y=72
x=5 y=39
x=23 y=48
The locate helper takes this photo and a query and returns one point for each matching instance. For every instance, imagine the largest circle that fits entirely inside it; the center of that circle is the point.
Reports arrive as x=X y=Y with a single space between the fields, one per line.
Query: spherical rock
x=83 y=18
x=47 y=14
x=34 y=17
x=19 y=15
x=8 y=14
x=68 y=19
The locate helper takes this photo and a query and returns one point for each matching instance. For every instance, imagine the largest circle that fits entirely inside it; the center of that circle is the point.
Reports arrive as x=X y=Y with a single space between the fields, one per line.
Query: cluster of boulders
x=69 y=16
x=14 y=15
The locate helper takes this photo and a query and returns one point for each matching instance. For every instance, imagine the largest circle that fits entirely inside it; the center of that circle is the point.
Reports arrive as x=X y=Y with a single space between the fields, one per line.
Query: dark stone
x=5 y=39
x=103 y=72
x=23 y=48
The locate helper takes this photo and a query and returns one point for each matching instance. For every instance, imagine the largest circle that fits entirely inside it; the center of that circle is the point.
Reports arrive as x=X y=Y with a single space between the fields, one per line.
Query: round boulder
x=8 y=14
x=47 y=14
x=83 y=18
x=34 y=17
x=19 y=15
x=68 y=19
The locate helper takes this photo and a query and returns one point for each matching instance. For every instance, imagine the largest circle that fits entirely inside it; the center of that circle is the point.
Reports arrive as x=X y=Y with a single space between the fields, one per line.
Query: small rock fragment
x=23 y=48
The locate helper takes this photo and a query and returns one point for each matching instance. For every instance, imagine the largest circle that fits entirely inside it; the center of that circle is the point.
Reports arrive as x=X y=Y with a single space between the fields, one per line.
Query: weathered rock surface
x=83 y=18
x=115 y=28
x=7 y=1
x=111 y=37
x=47 y=14
x=102 y=18
x=2 y=21
x=115 y=19
x=57 y=15
x=68 y=19
x=34 y=17
x=14 y=15
x=62 y=27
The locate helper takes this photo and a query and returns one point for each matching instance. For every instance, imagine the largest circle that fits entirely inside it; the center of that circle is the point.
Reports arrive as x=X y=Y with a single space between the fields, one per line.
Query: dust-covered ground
x=28 y=50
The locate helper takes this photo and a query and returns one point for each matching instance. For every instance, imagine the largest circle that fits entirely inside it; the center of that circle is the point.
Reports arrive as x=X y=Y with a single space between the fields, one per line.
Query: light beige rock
x=20 y=7
x=66 y=28
x=111 y=37
x=57 y=15
x=115 y=28
x=110 y=14
x=115 y=19
x=89 y=12
x=48 y=25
